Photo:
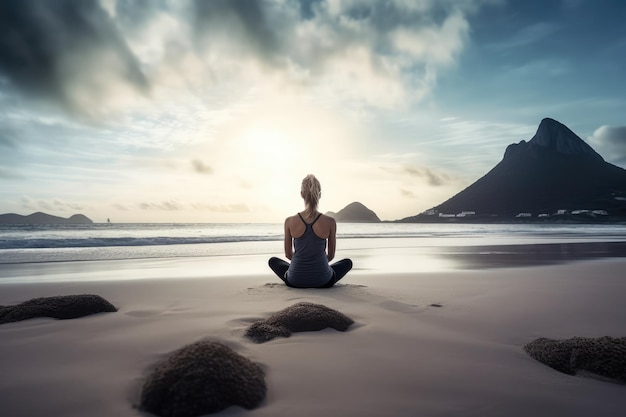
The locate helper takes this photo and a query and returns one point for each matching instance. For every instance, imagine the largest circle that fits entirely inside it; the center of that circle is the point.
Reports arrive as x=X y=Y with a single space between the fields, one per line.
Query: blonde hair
x=311 y=191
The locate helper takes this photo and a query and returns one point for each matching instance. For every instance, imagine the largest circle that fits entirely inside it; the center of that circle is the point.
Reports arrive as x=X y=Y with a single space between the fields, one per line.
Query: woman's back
x=309 y=264
x=322 y=225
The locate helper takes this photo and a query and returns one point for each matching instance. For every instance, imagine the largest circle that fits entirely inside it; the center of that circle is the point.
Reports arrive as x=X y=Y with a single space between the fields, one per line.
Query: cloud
x=6 y=174
x=552 y=67
x=252 y=25
x=162 y=206
x=200 y=167
x=120 y=207
x=432 y=178
x=50 y=206
x=381 y=53
x=172 y=205
x=59 y=205
x=95 y=57
x=66 y=52
x=429 y=176
x=6 y=136
x=471 y=147
x=223 y=208
x=610 y=142
x=526 y=36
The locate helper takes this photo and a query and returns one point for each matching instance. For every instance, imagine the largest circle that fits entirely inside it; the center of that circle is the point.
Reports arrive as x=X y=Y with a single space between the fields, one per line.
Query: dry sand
x=402 y=357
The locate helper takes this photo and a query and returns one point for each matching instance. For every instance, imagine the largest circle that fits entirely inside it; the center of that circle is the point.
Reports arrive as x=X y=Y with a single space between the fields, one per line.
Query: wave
x=152 y=235
x=125 y=241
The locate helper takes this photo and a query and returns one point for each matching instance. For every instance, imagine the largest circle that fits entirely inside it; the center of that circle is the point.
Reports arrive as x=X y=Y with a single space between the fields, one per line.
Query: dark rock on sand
x=300 y=317
x=202 y=378
x=60 y=307
x=604 y=356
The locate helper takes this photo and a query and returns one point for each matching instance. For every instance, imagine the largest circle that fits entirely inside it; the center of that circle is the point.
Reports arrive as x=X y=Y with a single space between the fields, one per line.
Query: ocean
x=97 y=242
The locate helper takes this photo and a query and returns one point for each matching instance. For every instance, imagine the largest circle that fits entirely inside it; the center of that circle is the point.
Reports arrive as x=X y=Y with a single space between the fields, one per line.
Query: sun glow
x=260 y=157
x=271 y=149
x=273 y=159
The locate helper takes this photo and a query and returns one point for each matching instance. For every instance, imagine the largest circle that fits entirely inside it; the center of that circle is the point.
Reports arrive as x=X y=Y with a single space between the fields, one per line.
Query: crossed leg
x=340 y=269
x=279 y=267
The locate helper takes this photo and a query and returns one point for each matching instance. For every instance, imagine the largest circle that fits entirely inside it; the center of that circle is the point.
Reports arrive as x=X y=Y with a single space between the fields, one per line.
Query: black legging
x=339 y=268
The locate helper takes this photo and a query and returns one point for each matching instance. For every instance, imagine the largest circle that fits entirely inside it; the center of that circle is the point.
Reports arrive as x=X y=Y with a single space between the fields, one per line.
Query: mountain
x=354 y=213
x=43 y=218
x=555 y=173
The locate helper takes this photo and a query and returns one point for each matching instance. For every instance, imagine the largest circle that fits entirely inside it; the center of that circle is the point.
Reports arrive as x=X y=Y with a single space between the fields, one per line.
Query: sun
x=270 y=149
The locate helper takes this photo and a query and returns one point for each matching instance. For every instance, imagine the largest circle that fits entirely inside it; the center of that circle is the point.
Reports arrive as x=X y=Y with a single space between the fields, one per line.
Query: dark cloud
x=308 y=8
x=133 y=14
x=45 y=46
x=610 y=142
x=200 y=167
x=248 y=23
x=384 y=16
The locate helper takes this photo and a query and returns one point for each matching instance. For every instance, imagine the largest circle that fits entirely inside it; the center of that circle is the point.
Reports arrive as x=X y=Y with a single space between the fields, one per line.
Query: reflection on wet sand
x=508 y=256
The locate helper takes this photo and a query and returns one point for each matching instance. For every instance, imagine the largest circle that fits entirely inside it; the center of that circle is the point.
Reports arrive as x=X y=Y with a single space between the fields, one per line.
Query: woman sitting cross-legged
x=310 y=241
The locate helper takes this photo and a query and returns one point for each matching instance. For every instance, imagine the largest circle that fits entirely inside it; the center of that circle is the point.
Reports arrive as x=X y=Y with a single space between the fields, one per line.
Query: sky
x=214 y=111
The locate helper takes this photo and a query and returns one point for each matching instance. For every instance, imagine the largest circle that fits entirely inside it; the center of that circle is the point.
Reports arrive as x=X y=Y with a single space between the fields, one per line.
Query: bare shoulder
x=290 y=220
x=330 y=221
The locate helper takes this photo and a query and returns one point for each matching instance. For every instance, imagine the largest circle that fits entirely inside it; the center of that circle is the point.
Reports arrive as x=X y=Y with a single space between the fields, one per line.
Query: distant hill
x=43 y=218
x=354 y=213
x=554 y=175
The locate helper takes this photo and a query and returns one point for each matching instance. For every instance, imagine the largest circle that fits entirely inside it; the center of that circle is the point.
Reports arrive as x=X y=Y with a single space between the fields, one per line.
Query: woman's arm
x=288 y=241
x=332 y=240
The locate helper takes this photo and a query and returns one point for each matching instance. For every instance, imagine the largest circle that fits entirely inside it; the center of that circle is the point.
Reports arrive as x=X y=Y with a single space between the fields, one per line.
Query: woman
x=306 y=237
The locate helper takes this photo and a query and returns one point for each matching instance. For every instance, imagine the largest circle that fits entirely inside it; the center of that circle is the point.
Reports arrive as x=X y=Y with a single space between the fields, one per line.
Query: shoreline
x=368 y=260
x=402 y=357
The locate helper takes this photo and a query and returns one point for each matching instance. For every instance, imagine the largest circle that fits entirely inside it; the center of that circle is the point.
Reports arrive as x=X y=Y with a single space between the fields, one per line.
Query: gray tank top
x=309 y=265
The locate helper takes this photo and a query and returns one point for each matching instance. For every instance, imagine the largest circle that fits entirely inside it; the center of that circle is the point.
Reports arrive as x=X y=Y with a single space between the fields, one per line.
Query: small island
x=43 y=218
x=354 y=213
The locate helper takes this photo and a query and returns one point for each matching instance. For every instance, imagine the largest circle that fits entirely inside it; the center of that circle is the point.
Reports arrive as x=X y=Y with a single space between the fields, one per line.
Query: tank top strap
x=318 y=216
x=309 y=224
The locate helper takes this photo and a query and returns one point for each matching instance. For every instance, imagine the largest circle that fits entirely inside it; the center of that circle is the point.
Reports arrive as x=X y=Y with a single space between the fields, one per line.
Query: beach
x=466 y=160
x=430 y=343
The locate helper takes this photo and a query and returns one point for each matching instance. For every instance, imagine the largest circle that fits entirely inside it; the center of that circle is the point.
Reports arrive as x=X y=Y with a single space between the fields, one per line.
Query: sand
x=402 y=357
